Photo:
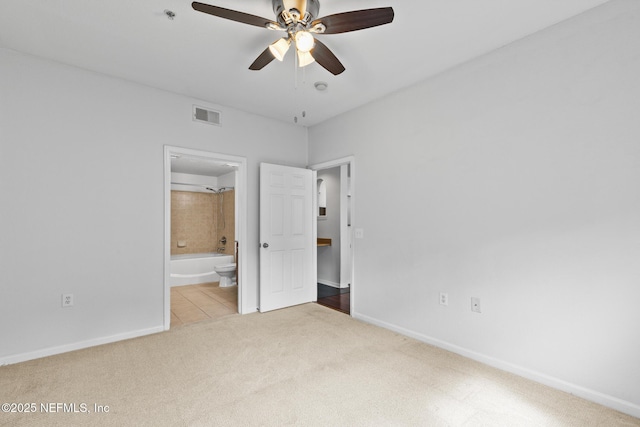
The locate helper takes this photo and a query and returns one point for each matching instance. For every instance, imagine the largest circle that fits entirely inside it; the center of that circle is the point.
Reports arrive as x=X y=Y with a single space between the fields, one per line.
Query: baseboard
x=23 y=357
x=329 y=283
x=576 y=390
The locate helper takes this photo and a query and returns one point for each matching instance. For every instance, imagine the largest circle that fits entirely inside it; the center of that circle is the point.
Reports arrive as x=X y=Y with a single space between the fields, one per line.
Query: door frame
x=350 y=161
x=241 y=222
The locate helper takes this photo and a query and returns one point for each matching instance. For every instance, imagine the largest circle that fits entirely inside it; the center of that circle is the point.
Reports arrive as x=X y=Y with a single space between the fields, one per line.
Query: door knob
x=265 y=245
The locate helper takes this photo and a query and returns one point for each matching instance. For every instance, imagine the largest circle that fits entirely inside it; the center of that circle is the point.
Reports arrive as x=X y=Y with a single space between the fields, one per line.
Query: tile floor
x=194 y=303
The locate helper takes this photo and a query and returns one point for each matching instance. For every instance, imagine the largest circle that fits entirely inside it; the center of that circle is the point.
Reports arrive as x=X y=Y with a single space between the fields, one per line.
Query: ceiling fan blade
x=326 y=58
x=355 y=20
x=232 y=15
x=262 y=61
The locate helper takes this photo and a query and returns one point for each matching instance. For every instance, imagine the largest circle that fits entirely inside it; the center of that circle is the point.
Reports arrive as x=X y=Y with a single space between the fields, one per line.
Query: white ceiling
x=206 y=57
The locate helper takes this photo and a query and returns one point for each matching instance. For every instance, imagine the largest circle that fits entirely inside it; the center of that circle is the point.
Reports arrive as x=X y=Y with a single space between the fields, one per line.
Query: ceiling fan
x=298 y=19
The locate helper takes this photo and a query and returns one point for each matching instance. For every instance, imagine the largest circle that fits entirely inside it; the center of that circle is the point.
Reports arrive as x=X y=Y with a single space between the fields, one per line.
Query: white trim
x=23 y=357
x=314 y=232
x=241 y=223
x=351 y=161
x=556 y=383
x=346 y=262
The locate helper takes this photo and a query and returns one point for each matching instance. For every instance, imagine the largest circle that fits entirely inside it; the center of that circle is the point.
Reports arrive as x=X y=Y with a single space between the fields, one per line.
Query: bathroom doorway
x=334 y=230
x=205 y=223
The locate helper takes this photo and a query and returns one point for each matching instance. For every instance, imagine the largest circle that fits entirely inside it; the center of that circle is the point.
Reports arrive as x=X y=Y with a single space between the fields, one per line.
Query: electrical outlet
x=67 y=300
x=475 y=305
x=444 y=298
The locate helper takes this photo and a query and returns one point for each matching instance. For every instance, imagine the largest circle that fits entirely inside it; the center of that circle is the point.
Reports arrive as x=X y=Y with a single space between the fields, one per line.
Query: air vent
x=211 y=117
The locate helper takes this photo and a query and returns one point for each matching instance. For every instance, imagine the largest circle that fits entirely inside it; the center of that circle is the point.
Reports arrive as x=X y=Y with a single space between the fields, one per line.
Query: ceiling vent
x=203 y=115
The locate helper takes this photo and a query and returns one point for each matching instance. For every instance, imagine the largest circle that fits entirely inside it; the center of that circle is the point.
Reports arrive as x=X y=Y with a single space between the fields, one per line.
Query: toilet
x=227 y=274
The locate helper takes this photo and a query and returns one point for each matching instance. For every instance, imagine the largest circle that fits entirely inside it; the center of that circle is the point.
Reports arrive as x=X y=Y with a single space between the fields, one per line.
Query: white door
x=287 y=267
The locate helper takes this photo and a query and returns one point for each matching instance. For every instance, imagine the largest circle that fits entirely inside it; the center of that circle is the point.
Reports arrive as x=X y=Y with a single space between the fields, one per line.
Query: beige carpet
x=306 y=365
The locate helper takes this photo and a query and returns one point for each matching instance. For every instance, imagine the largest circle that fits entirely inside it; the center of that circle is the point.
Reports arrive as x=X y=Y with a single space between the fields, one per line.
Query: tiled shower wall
x=196 y=220
x=228 y=227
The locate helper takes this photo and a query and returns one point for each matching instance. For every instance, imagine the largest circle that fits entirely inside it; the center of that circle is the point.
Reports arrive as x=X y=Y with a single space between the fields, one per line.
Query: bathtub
x=191 y=269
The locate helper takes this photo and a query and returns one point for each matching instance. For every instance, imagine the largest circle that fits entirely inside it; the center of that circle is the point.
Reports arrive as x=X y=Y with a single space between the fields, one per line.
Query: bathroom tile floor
x=194 y=303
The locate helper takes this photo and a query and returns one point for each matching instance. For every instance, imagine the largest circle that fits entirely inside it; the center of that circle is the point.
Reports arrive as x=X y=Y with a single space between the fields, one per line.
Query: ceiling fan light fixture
x=304 y=41
x=305 y=58
x=279 y=48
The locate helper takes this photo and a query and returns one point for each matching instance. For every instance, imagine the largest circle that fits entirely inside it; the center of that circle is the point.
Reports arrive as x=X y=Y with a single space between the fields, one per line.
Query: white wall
x=227 y=180
x=514 y=178
x=329 y=227
x=81 y=176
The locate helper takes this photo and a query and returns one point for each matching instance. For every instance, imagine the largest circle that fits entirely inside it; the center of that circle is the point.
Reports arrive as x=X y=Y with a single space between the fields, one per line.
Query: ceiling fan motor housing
x=303 y=10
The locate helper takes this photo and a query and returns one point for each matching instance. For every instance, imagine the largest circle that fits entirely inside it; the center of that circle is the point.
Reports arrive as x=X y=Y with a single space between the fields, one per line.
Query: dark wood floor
x=337 y=299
